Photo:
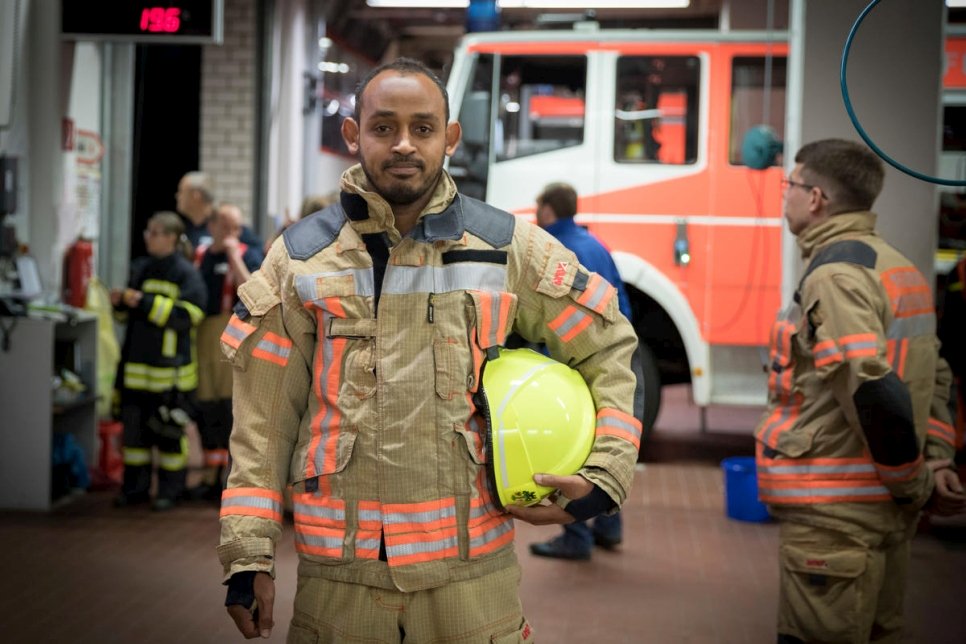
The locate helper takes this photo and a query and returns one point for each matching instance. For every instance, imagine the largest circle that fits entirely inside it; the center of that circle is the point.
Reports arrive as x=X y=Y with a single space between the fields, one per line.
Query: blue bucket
x=741 y=490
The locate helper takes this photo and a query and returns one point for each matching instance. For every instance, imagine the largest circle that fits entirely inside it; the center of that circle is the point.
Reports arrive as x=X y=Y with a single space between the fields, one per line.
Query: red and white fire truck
x=648 y=127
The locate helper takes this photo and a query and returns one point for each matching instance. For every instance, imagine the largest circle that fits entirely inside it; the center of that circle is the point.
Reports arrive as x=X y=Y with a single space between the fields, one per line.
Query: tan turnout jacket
x=366 y=408
x=857 y=390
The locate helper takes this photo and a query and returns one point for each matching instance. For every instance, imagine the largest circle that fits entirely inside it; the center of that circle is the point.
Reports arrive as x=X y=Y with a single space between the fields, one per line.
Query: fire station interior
x=698 y=560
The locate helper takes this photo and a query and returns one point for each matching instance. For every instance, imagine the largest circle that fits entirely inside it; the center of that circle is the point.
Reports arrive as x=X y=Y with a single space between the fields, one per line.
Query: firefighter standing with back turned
x=856 y=440
x=358 y=348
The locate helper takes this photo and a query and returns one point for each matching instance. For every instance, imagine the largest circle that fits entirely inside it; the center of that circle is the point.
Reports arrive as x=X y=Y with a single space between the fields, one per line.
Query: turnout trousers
x=837 y=587
x=334 y=611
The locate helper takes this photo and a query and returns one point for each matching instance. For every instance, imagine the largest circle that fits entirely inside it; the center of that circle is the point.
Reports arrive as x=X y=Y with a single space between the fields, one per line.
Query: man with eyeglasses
x=857 y=439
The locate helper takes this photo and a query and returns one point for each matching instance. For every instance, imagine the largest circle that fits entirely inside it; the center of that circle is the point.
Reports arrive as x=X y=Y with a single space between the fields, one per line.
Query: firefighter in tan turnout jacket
x=857 y=438
x=357 y=351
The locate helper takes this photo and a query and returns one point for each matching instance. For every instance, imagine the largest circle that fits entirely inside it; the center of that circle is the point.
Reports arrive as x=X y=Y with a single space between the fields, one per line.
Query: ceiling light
x=538 y=4
x=594 y=4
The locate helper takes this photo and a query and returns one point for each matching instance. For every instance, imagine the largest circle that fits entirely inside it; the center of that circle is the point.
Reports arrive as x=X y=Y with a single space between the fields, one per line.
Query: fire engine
x=648 y=126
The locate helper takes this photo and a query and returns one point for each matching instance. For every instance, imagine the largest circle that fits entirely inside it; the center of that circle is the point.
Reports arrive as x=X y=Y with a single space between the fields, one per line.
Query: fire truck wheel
x=652 y=391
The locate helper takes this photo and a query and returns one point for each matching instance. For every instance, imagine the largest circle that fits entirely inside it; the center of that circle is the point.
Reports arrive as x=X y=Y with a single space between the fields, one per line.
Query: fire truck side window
x=541 y=106
x=656 y=111
x=753 y=93
x=470 y=163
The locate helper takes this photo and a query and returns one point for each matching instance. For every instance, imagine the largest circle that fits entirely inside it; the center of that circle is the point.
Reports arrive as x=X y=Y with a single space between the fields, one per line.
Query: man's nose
x=404 y=144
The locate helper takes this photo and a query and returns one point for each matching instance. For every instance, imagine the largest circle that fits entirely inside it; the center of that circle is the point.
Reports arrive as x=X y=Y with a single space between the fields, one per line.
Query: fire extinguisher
x=78 y=270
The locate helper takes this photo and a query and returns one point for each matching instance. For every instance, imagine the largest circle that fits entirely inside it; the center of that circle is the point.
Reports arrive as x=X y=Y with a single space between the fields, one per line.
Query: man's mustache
x=402 y=162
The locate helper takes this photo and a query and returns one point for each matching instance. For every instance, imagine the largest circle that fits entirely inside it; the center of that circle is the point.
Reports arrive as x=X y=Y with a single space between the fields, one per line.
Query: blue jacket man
x=556 y=208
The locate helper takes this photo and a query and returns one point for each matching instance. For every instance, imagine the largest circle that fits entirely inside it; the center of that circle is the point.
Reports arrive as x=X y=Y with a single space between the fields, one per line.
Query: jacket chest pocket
x=490 y=315
x=355 y=342
x=345 y=362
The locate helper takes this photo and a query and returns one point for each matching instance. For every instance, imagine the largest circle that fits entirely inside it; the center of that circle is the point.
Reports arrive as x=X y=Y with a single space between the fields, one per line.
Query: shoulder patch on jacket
x=306 y=237
x=492 y=225
x=849 y=251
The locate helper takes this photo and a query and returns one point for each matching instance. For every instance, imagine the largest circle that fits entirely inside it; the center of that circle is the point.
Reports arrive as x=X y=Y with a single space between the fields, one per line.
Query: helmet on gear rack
x=540 y=418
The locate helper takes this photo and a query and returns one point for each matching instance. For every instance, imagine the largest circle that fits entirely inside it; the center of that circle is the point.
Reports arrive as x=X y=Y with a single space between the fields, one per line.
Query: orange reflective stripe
x=477 y=355
x=570 y=323
x=819 y=480
x=369 y=534
x=367 y=543
x=252 y=502
x=782 y=417
x=781 y=372
x=273 y=348
x=942 y=431
x=859 y=345
x=236 y=331
x=326 y=423
x=900 y=473
x=896 y=351
x=420 y=532
x=421 y=547
x=614 y=422
x=426 y=516
x=826 y=353
x=494 y=315
x=491 y=534
x=319 y=541
x=310 y=508
x=216 y=457
x=816 y=469
x=837 y=491
x=485 y=323
x=598 y=294
x=908 y=291
x=475 y=429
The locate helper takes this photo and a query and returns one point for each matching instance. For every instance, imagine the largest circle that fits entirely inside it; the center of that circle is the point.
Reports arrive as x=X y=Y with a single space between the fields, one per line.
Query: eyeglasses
x=786 y=183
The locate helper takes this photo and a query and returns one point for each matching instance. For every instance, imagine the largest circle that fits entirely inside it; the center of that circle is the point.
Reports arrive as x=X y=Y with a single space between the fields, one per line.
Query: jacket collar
x=368 y=212
x=850 y=224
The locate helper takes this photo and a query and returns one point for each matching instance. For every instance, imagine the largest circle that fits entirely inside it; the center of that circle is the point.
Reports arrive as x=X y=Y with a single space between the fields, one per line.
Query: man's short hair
x=850 y=173
x=562 y=199
x=405 y=66
x=242 y=218
x=203 y=183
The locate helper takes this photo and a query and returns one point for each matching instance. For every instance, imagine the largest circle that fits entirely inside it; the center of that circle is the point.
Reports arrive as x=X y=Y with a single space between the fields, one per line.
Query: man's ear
x=453 y=135
x=350 y=134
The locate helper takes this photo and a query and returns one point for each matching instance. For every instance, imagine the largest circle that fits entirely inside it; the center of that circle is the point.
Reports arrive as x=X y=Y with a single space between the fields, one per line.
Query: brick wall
x=228 y=107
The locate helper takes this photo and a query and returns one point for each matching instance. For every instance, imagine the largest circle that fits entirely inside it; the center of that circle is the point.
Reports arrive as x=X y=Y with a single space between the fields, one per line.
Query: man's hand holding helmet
x=571 y=487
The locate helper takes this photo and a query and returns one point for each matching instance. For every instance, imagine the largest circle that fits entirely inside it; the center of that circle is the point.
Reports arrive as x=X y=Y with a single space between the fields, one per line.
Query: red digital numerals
x=161 y=19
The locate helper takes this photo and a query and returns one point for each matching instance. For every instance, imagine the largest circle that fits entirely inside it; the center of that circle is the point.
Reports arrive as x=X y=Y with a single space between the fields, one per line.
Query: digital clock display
x=181 y=21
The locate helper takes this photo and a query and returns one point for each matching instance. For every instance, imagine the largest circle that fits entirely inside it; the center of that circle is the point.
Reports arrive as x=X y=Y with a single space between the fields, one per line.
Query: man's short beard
x=400 y=195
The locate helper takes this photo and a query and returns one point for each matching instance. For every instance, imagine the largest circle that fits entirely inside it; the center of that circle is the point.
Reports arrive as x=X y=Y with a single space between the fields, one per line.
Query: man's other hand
x=257 y=621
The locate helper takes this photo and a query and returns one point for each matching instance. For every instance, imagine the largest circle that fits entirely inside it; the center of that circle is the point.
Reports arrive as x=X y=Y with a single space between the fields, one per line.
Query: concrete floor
x=685 y=573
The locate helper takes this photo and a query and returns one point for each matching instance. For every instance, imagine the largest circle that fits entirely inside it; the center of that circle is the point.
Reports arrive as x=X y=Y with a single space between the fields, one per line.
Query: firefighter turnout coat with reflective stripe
x=158 y=353
x=857 y=390
x=357 y=353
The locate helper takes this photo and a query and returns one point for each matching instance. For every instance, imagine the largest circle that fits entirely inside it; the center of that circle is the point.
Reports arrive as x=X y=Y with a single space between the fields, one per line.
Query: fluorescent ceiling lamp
x=594 y=4
x=537 y=4
x=956 y=4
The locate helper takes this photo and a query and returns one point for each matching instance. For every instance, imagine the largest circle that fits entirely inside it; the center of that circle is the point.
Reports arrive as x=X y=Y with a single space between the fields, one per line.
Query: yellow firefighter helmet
x=541 y=419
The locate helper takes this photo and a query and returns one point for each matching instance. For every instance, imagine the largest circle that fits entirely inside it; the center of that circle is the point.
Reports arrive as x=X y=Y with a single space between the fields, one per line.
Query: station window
x=541 y=106
x=656 y=110
x=757 y=98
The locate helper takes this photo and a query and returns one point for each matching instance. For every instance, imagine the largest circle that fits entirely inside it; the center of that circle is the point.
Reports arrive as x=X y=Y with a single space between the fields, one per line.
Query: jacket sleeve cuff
x=248 y=554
